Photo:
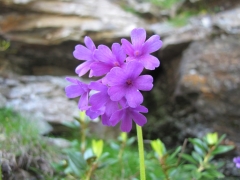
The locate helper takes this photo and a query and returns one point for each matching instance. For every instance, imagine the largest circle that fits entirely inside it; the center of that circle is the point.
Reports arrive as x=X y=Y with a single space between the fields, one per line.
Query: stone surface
x=209 y=81
x=41 y=99
x=52 y=22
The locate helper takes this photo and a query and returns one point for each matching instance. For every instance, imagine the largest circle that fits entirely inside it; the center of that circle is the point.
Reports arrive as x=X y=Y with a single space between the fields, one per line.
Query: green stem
x=141 y=153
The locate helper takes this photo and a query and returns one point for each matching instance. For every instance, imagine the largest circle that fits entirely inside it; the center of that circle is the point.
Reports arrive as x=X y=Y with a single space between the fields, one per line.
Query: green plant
x=4 y=45
x=81 y=161
x=18 y=130
x=199 y=165
x=166 y=4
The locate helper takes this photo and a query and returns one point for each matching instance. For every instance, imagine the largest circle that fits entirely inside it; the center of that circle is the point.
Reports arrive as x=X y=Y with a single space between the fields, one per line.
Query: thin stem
x=90 y=171
x=141 y=153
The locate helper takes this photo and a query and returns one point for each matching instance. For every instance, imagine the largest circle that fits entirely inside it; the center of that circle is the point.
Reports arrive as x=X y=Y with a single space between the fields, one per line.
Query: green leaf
x=189 y=167
x=123 y=137
x=174 y=154
x=76 y=162
x=214 y=174
x=222 y=149
x=158 y=147
x=199 y=146
x=196 y=175
x=212 y=138
x=196 y=156
x=74 y=124
x=114 y=146
x=97 y=147
x=130 y=141
x=189 y=158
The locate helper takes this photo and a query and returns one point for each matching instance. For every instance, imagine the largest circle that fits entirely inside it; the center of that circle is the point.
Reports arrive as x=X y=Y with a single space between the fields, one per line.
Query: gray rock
x=209 y=82
x=229 y=21
x=53 y=22
x=41 y=99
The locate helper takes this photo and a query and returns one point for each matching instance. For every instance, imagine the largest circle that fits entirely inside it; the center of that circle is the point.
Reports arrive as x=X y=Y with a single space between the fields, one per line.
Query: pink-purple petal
x=103 y=54
x=115 y=77
x=97 y=86
x=116 y=93
x=116 y=117
x=83 y=102
x=105 y=120
x=133 y=69
x=119 y=53
x=134 y=97
x=127 y=47
x=138 y=36
x=126 y=124
x=100 y=68
x=149 y=62
x=98 y=100
x=144 y=82
x=73 y=80
x=111 y=107
x=152 y=44
x=138 y=118
x=83 y=68
x=82 y=53
x=141 y=109
x=73 y=91
x=89 y=43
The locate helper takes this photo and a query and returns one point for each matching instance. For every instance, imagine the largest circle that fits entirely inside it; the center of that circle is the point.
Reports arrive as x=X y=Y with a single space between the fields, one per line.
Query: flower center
x=116 y=64
x=129 y=82
x=137 y=53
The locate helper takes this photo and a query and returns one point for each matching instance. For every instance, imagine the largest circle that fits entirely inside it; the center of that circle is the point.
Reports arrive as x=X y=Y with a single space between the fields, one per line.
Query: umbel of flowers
x=115 y=96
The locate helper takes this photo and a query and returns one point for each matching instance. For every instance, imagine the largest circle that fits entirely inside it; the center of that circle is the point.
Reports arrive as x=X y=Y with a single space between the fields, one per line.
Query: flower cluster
x=236 y=160
x=115 y=96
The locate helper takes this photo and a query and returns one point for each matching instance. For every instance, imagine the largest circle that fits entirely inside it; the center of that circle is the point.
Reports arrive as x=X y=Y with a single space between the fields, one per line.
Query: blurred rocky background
x=197 y=87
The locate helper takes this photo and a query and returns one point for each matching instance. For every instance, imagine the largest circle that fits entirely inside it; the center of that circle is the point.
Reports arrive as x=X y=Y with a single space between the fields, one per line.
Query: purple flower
x=127 y=114
x=126 y=82
x=83 y=53
x=140 y=50
x=236 y=160
x=101 y=101
x=76 y=89
x=107 y=59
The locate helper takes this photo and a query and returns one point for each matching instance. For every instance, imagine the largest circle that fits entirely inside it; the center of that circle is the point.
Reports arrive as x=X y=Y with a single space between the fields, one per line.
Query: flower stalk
x=141 y=152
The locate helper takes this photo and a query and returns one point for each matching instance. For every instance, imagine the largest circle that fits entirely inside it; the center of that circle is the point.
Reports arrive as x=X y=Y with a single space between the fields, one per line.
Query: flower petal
x=105 y=120
x=152 y=44
x=100 y=68
x=144 y=82
x=82 y=53
x=116 y=117
x=149 y=62
x=116 y=92
x=73 y=91
x=127 y=47
x=97 y=86
x=138 y=118
x=98 y=100
x=73 y=80
x=141 y=109
x=115 y=77
x=89 y=43
x=126 y=124
x=111 y=107
x=119 y=53
x=93 y=114
x=83 y=68
x=83 y=102
x=138 y=36
x=133 y=69
x=103 y=54
x=134 y=97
